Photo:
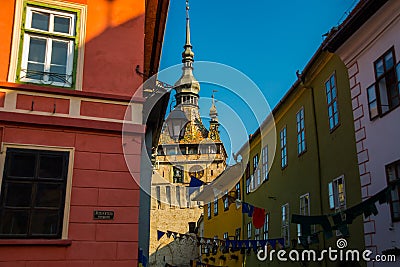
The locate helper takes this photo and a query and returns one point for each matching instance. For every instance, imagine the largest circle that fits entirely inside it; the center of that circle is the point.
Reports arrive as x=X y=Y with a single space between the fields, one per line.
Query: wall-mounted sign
x=103 y=215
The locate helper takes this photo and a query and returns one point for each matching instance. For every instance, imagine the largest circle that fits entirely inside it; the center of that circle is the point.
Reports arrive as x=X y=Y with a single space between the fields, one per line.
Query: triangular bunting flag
x=238 y=203
x=254 y=245
x=194 y=184
x=160 y=234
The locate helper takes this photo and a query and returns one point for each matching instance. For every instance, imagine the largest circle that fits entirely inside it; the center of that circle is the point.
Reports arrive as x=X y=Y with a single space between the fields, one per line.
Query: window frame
x=334 y=197
x=303 y=211
x=266 y=227
x=237 y=190
x=178 y=179
x=374 y=87
x=257 y=234
x=209 y=210
x=226 y=236
x=331 y=103
x=68 y=185
x=249 y=230
x=19 y=14
x=73 y=39
x=226 y=201
x=283 y=147
x=256 y=171
x=285 y=214
x=237 y=233
x=301 y=132
x=396 y=165
x=264 y=163
x=248 y=178
x=215 y=206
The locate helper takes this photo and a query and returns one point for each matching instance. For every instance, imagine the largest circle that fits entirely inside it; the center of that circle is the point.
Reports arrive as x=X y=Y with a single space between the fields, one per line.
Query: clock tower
x=197 y=153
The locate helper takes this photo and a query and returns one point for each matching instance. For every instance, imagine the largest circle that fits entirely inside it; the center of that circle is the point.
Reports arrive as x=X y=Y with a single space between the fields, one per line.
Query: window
x=393 y=173
x=384 y=94
x=226 y=236
x=237 y=233
x=304 y=210
x=49 y=44
x=168 y=194
x=178 y=195
x=248 y=180
x=283 y=148
x=266 y=227
x=226 y=201
x=337 y=194
x=209 y=210
x=237 y=189
x=158 y=195
x=256 y=234
x=256 y=171
x=249 y=230
x=177 y=174
x=216 y=206
x=285 y=224
x=264 y=162
x=33 y=193
x=301 y=137
x=331 y=99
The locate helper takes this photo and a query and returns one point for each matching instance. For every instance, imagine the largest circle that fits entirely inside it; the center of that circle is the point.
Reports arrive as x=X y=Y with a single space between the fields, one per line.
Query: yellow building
x=222 y=218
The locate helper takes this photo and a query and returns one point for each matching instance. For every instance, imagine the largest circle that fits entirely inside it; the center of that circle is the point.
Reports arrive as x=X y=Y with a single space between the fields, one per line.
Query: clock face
x=196 y=171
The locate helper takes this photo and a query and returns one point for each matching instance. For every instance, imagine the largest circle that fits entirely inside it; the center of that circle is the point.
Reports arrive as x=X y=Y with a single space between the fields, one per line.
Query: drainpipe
x=318 y=157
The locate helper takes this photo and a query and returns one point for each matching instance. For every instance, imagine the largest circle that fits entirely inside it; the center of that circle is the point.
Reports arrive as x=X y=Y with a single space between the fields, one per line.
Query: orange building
x=67 y=77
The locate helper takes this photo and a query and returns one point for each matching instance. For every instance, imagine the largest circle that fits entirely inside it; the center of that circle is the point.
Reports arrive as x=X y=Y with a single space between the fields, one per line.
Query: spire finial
x=187 y=9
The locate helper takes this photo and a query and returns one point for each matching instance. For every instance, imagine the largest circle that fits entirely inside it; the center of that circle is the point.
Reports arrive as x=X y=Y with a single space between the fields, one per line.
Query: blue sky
x=265 y=40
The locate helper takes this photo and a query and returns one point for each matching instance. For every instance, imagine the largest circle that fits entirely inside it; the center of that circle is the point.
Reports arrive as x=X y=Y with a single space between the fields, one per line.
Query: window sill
x=301 y=153
x=334 y=128
x=36 y=242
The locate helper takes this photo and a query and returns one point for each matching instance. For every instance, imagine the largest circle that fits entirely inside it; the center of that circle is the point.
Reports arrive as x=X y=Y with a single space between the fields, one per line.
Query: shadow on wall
x=176 y=253
x=111 y=57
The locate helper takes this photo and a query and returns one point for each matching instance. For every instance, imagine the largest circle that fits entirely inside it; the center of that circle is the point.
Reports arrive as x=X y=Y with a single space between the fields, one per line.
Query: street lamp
x=176 y=122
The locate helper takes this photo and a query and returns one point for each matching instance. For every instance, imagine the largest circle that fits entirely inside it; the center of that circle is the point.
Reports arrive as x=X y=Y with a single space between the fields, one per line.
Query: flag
x=160 y=234
x=238 y=203
x=194 y=183
x=258 y=217
x=247 y=208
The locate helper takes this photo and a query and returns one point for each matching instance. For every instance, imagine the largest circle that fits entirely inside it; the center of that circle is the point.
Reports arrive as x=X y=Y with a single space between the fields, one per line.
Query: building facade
x=368 y=43
x=222 y=220
x=194 y=153
x=313 y=171
x=66 y=85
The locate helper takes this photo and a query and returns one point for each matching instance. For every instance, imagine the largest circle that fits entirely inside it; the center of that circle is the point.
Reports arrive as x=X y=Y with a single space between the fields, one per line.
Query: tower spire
x=213 y=109
x=187 y=86
x=187 y=55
